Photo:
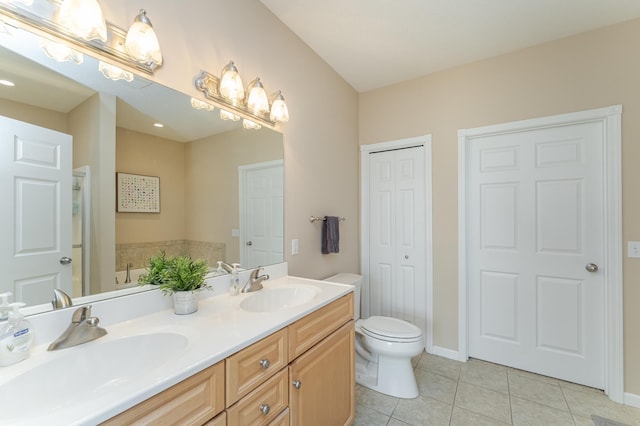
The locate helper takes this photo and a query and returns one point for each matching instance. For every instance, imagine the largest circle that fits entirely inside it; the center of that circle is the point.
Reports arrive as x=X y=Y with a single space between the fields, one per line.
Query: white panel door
x=535 y=221
x=397 y=235
x=35 y=181
x=262 y=210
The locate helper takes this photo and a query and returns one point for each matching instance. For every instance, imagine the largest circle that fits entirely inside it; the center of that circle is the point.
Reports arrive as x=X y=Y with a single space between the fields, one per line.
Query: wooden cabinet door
x=322 y=382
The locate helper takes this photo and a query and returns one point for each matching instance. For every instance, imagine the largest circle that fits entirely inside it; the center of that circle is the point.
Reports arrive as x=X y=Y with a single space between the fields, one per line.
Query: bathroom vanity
x=280 y=356
x=302 y=374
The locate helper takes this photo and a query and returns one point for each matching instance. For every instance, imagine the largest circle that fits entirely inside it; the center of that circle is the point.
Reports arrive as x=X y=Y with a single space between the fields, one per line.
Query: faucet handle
x=81 y=314
x=256 y=272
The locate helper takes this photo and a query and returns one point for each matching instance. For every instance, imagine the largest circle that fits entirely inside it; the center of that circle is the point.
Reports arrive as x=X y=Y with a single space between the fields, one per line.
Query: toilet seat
x=390 y=329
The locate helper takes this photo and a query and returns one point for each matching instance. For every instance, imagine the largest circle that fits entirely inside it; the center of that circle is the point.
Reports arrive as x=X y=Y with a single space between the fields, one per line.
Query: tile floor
x=481 y=393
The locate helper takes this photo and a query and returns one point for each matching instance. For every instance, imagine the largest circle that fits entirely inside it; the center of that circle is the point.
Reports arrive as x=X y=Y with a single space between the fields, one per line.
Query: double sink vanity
x=282 y=355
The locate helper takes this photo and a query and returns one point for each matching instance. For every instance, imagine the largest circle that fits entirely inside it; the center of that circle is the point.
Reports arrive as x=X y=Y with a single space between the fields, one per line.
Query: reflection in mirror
x=220 y=186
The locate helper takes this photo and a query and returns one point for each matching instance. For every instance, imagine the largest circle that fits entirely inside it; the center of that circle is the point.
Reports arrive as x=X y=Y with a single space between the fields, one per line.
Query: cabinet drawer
x=250 y=410
x=308 y=331
x=192 y=401
x=253 y=365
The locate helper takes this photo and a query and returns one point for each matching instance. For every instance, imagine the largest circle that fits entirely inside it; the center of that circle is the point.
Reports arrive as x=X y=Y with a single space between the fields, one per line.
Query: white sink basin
x=276 y=299
x=88 y=370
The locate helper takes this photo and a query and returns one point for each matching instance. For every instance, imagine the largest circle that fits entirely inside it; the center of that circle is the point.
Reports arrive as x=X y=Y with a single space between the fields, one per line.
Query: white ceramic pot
x=185 y=302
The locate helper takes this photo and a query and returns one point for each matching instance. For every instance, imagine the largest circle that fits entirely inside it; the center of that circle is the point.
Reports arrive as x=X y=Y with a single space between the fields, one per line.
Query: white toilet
x=384 y=348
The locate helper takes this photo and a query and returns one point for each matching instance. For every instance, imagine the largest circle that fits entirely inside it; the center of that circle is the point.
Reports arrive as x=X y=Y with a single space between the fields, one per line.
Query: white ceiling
x=375 y=43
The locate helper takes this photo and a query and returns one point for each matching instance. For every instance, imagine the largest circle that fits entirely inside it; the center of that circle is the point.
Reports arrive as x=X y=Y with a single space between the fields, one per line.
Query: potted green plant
x=179 y=276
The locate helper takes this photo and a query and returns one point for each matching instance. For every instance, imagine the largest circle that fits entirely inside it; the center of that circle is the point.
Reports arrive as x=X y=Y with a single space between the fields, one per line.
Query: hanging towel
x=331 y=235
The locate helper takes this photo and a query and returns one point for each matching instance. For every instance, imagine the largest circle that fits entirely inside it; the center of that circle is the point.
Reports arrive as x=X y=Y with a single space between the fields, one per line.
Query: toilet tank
x=350 y=279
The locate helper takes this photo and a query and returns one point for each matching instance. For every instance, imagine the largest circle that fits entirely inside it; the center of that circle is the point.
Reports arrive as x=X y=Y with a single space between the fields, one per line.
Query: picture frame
x=137 y=193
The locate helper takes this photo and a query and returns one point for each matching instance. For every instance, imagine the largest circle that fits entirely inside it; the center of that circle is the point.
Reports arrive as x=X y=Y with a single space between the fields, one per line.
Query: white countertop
x=218 y=329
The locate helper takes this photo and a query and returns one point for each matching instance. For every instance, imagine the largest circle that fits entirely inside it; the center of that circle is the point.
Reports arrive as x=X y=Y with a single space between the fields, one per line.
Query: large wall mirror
x=220 y=187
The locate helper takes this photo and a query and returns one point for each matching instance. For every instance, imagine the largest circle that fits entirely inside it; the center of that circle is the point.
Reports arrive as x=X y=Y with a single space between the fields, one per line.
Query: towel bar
x=316 y=219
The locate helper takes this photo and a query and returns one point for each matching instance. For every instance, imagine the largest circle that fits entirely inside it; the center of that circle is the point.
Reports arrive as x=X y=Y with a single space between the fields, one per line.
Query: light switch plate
x=294 y=246
x=634 y=249
x=235 y=232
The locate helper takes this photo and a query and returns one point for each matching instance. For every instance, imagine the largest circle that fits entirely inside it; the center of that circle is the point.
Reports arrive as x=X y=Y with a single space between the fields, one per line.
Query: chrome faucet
x=61 y=299
x=255 y=281
x=83 y=328
x=127 y=279
x=226 y=267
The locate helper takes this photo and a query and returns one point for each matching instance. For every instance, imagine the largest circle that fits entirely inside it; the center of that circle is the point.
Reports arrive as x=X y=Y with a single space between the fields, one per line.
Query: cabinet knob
x=265 y=363
x=264 y=409
x=297 y=384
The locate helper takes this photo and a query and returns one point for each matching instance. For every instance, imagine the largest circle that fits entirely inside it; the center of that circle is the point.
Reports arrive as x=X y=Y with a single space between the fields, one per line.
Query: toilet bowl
x=384 y=348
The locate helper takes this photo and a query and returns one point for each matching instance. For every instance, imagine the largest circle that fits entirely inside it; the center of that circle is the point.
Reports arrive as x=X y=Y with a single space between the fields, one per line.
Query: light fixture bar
x=112 y=50
x=208 y=84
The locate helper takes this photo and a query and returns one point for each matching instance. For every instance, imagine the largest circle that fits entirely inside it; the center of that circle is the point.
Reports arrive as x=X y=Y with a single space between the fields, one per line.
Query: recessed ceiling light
x=158 y=124
x=7 y=83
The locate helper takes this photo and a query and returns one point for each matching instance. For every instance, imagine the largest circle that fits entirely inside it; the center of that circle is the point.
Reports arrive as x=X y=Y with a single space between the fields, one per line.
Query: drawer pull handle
x=297 y=384
x=264 y=409
x=265 y=363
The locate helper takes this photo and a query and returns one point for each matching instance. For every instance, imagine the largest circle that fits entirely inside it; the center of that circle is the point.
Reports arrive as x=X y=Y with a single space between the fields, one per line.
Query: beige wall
x=211 y=182
x=320 y=140
x=592 y=70
x=92 y=125
x=37 y=116
x=142 y=154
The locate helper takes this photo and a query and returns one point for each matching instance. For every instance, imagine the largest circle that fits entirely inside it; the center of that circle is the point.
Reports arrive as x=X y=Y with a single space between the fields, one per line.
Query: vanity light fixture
x=60 y=52
x=158 y=125
x=7 y=83
x=230 y=86
x=114 y=73
x=227 y=93
x=257 y=100
x=80 y=26
x=279 y=110
x=83 y=18
x=142 y=43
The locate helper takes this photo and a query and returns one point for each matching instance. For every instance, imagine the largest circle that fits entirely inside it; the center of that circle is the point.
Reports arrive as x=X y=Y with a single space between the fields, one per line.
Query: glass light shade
x=114 y=73
x=198 y=104
x=230 y=85
x=83 y=18
x=248 y=124
x=60 y=52
x=257 y=101
x=279 y=110
x=226 y=115
x=141 y=42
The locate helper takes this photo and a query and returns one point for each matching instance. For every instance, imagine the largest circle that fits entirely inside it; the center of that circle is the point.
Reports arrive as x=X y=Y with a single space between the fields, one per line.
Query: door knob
x=65 y=260
x=591 y=267
x=249 y=243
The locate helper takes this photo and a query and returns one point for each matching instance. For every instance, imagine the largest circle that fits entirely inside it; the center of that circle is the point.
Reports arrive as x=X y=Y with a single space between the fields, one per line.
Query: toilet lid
x=391 y=328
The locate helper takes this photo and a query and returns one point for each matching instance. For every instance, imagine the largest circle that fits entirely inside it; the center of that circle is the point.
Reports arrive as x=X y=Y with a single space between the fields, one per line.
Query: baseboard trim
x=632 y=400
x=446 y=353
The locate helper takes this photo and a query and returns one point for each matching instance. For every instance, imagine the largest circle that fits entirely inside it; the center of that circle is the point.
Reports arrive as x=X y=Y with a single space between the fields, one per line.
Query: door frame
x=611 y=119
x=243 y=171
x=365 y=150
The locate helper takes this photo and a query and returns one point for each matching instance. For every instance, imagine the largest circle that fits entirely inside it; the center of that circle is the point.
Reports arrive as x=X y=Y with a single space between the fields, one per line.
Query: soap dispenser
x=234 y=286
x=4 y=305
x=220 y=270
x=16 y=337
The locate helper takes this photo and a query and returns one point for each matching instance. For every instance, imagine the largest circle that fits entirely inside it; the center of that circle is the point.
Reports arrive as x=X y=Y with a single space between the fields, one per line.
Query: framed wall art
x=137 y=193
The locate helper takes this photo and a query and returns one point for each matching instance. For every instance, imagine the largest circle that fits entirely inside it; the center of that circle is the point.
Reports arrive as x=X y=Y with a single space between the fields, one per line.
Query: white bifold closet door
x=396 y=276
